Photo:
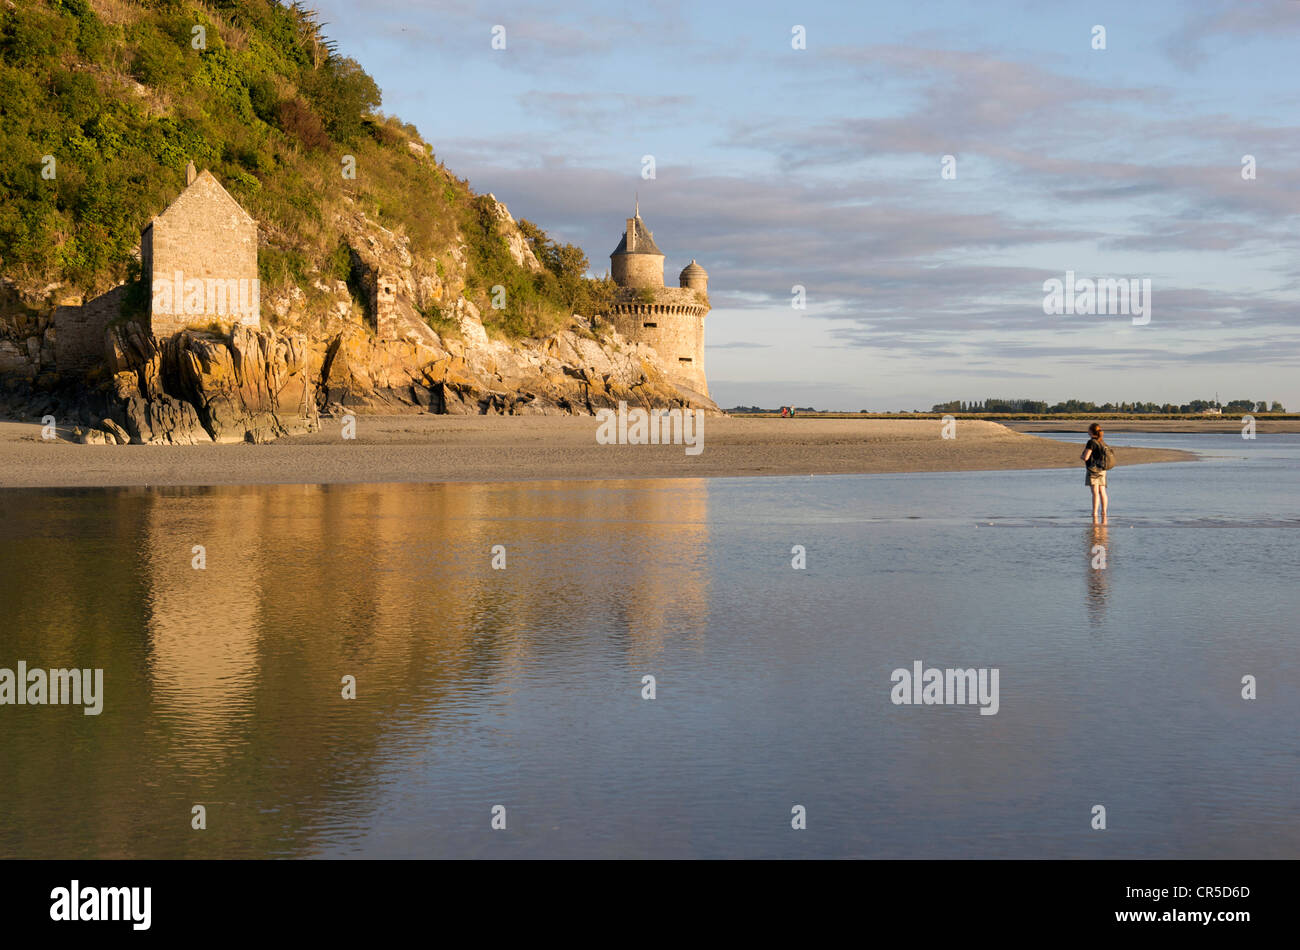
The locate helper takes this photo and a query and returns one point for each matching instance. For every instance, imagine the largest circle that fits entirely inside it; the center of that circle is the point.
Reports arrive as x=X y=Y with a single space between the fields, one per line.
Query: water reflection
x=522 y=685
x=224 y=663
x=1098 y=561
x=202 y=607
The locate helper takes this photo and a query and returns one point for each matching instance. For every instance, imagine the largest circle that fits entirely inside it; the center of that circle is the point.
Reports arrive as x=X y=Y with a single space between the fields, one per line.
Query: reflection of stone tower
x=664 y=567
x=670 y=319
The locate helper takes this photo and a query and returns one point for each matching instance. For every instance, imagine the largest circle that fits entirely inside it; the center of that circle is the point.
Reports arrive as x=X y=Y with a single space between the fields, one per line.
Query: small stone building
x=199 y=266
x=671 y=319
x=199 y=260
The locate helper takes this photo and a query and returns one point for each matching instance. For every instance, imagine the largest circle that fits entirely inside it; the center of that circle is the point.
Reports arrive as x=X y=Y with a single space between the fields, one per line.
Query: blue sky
x=821 y=167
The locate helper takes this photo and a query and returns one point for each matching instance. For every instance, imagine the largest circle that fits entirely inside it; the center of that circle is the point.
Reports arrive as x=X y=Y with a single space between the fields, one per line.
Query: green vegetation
x=1076 y=417
x=444 y=324
x=102 y=103
x=530 y=303
x=1076 y=406
x=536 y=302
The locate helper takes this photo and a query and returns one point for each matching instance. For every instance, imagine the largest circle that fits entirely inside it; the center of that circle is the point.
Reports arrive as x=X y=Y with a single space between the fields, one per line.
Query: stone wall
x=386 y=306
x=200 y=257
x=637 y=270
x=673 y=324
x=79 y=331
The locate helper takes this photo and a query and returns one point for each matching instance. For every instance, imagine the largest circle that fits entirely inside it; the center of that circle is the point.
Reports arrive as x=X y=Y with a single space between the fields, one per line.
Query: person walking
x=1097 y=457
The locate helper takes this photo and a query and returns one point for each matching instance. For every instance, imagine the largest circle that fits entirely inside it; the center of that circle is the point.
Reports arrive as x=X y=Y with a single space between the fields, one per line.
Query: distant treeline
x=1040 y=407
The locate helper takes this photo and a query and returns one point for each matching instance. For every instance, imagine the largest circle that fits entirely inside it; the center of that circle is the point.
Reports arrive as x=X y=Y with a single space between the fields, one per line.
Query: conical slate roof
x=643 y=241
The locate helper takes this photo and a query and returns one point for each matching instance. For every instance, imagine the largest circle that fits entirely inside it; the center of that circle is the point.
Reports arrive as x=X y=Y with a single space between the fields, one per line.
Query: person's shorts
x=1091 y=478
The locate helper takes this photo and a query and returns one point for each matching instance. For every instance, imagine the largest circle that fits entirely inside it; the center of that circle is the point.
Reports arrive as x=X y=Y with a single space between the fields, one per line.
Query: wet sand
x=426 y=448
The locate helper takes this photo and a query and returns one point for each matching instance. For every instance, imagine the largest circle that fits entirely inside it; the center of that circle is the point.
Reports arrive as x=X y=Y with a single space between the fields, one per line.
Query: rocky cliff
x=259 y=385
x=387 y=284
x=323 y=354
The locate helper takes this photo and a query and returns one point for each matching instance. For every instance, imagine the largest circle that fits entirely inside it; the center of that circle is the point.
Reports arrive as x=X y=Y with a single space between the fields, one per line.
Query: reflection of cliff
x=222 y=686
x=71 y=594
x=394 y=585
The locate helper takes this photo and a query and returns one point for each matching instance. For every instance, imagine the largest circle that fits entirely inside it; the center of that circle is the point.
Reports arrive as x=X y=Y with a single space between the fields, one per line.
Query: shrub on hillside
x=298 y=121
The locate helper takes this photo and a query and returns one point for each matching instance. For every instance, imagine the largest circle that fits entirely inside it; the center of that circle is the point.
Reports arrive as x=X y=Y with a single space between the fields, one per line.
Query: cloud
x=823 y=170
x=1230 y=20
x=584 y=110
x=541 y=39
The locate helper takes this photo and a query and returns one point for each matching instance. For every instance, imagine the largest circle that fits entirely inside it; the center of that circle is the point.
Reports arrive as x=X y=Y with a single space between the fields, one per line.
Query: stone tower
x=670 y=319
x=637 y=262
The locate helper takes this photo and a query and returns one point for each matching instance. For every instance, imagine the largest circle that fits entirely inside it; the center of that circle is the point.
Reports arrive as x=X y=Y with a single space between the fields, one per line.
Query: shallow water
x=523 y=686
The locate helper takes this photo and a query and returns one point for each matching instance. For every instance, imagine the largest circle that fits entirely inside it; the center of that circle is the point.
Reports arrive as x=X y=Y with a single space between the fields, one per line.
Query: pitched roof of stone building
x=204 y=187
x=643 y=242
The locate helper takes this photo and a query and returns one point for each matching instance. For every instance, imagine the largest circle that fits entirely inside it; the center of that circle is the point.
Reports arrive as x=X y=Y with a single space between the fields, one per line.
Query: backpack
x=1104 y=456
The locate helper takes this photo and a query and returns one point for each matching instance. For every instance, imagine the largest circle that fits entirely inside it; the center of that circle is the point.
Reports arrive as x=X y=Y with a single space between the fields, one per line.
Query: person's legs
x=1105 y=502
x=1096 y=499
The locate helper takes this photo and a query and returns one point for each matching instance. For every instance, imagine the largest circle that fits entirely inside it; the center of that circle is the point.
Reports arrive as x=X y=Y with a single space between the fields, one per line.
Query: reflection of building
x=670 y=319
x=394 y=585
x=408 y=576
x=664 y=583
x=204 y=625
x=223 y=685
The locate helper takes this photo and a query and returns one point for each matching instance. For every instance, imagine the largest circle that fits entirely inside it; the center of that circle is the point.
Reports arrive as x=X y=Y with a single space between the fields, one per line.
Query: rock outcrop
x=250 y=386
x=259 y=385
x=569 y=372
x=400 y=335
x=516 y=243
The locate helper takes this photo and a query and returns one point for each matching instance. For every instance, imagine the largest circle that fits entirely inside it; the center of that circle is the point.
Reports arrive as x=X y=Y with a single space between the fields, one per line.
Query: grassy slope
x=116 y=92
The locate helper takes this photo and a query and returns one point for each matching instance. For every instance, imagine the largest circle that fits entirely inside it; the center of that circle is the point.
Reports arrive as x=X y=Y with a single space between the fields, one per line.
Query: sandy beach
x=430 y=448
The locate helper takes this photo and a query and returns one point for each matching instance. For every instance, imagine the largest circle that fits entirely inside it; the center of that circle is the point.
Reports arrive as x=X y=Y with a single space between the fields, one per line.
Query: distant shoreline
x=1072 y=423
x=1263 y=424
x=436 y=448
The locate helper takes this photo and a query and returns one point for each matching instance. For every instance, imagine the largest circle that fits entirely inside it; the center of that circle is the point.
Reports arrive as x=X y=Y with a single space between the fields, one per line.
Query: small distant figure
x=785 y=412
x=1098 y=458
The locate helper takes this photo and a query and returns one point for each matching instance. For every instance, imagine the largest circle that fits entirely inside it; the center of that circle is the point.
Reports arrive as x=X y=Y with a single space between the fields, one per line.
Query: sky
x=823 y=168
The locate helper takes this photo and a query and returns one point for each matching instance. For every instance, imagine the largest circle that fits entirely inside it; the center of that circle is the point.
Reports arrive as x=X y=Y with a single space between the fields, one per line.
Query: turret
x=637 y=262
x=694 y=277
